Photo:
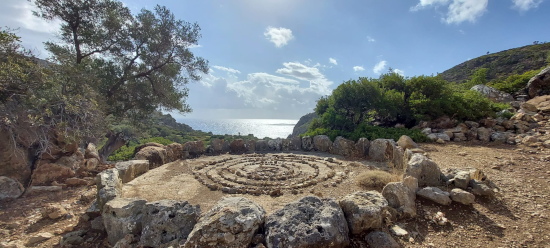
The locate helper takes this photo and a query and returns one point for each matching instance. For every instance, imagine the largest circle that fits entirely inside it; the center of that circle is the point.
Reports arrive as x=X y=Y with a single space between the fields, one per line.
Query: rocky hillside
x=303 y=124
x=502 y=64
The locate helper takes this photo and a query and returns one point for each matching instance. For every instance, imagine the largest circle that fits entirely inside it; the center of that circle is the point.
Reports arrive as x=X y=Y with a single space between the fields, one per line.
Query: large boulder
x=73 y=161
x=401 y=196
x=195 y=148
x=251 y=146
x=156 y=155
x=363 y=210
x=343 y=147
x=109 y=186
x=424 y=169
x=275 y=145
x=382 y=150
x=295 y=143
x=406 y=142
x=261 y=145
x=232 y=222
x=167 y=222
x=174 y=152
x=10 y=188
x=237 y=146
x=307 y=143
x=122 y=216
x=217 y=145
x=15 y=161
x=128 y=170
x=435 y=194
x=492 y=93
x=362 y=148
x=484 y=134
x=539 y=84
x=462 y=196
x=322 y=143
x=436 y=136
x=45 y=174
x=537 y=104
x=91 y=151
x=309 y=222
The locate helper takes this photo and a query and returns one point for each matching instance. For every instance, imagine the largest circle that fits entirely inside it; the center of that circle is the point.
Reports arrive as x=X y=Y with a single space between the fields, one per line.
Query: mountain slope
x=502 y=64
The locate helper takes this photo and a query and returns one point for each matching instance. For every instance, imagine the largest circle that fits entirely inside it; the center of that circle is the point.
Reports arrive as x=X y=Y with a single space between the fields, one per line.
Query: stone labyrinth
x=269 y=174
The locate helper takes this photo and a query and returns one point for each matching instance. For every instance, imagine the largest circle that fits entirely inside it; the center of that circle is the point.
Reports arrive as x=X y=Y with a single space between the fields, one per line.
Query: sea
x=260 y=128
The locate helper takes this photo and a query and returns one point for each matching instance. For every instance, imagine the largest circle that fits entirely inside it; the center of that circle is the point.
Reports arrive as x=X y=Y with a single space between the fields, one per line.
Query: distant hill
x=303 y=124
x=502 y=64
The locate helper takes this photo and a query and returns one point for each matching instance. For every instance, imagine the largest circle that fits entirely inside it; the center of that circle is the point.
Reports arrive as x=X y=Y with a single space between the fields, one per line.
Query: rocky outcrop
x=401 y=196
x=109 y=186
x=492 y=93
x=322 y=143
x=539 y=84
x=309 y=222
x=156 y=155
x=343 y=147
x=45 y=174
x=363 y=210
x=232 y=222
x=122 y=216
x=303 y=124
x=167 y=222
x=10 y=188
x=128 y=170
x=425 y=170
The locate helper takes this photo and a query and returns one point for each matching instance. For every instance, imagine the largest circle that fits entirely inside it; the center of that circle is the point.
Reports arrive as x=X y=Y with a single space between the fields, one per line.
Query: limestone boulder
x=322 y=143
x=91 y=151
x=15 y=161
x=363 y=210
x=500 y=137
x=237 y=146
x=308 y=222
x=460 y=179
x=45 y=174
x=435 y=194
x=232 y=222
x=128 y=170
x=122 y=216
x=295 y=143
x=343 y=147
x=480 y=188
x=401 y=196
x=195 y=148
x=156 y=155
x=537 y=104
x=73 y=161
x=109 y=186
x=492 y=93
x=462 y=196
x=436 y=136
x=275 y=145
x=10 y=188
x=167 y=222
x=362 y=148
x=382 y=150
x=261 y=145
x=424 y=169
x=217 y=145
x=406 y=142
x=539 y=84
x=484 y=134
x=251 y=146
x=307 y=143
x=174 y=152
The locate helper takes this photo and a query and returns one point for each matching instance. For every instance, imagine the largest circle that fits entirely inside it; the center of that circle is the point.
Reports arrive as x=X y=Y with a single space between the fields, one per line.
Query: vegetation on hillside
x=502 y=64
x=370 y=107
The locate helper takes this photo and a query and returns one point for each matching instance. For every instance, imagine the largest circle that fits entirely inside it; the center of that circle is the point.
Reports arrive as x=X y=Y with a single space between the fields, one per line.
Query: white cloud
x=400 y=72
x=317 y=81
x=358 y=68
x=525 y=5
x=333 y=61
x=226 y=69
x=279 y=36
x=458 y=10
x=381 y=66
x=370 y=39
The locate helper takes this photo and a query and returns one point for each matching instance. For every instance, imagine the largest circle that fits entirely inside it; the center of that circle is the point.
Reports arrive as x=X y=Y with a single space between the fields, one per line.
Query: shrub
x=376 y=179
x=514 y=83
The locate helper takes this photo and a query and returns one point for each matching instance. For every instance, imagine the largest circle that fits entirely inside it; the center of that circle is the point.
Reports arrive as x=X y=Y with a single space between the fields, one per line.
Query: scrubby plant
x=513 y=83
x=376 y=179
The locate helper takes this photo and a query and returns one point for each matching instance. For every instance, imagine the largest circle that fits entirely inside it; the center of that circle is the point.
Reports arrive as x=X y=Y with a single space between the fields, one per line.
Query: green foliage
x=126 y=152
x=370 y=132
x=479 y=77
x=513 y=83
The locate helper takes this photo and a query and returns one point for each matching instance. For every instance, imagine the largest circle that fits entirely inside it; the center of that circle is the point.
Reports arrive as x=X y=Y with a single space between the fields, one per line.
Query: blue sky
x=275 y=58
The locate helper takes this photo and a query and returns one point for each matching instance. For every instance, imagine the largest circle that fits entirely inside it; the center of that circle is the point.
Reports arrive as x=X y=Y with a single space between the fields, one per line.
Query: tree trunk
x=114 y=141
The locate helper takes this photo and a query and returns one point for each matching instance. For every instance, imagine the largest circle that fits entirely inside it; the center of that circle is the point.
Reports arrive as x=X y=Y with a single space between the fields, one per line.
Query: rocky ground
x=516 y=217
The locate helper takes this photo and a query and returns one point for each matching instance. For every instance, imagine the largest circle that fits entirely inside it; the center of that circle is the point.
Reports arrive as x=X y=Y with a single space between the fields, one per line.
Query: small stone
x=461 y=196
x=398 y=231
x=39 y=238
x=54 y=211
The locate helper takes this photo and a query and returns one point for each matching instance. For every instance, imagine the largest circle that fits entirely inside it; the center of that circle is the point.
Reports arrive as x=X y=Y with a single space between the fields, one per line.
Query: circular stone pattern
x=269 y=174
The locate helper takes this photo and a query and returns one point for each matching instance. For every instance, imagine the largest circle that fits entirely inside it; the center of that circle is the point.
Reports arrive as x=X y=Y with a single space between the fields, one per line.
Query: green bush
x=370 y=132
x=514 y=83
x=126 y=152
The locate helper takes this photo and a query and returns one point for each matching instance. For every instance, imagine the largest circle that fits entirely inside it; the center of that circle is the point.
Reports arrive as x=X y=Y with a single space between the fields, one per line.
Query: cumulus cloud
x=400 y=72
x=317 y=81
x=333 y=61
x=370 y=39
x=358 y=68
x=226 y=69
x=278 y=36
x=379 y=67
x=458 y=10
x=525 y=5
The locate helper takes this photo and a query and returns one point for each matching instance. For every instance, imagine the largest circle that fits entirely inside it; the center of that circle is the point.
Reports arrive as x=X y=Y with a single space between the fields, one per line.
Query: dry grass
x=376 y=179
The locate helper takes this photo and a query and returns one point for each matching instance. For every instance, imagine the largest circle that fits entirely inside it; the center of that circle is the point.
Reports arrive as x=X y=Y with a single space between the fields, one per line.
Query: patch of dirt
x=518 y=216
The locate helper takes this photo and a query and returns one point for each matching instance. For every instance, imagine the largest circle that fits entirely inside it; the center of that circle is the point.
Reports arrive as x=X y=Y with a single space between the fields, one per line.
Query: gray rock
x=309 y=222
x=539 y=84
x=91 y=152
x=492 y=93
x=406 y=142
x=426 y=131
x=398 y=161
x=251 y=146
x=10 y=188
x=425 y=170
x=499 y=137
x=261 y=145
x=295 y=143
x=109 y=186
x=232 y=222
x=322 y=143
x=480 y=188
x=442 y=136
x=156 y=155
x=401 y=196
x=97 y=224
x=167 y=222
x=307 y=143
x=275 y=145
x=380 y=239
x=435 y=194
x=462 y=196
x=461 y=179
x=217 y=145
x=72 y=239
x=484 y=134
x=343 y=147
x=362 y=147
x=128 y=170
x=237 y=146
x=382 y=150
x=197 y=148
x=122 y=216
x=363 y=210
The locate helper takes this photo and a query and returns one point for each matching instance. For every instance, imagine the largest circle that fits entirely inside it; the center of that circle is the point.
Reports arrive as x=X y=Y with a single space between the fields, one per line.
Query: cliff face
x=303 y=124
